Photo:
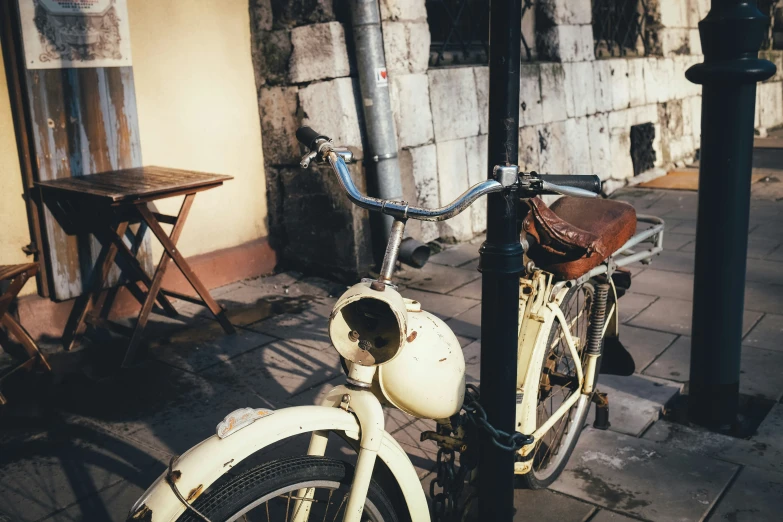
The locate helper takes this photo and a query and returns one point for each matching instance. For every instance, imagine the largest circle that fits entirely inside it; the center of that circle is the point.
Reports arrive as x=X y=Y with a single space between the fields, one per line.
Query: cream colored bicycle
x=400 y=356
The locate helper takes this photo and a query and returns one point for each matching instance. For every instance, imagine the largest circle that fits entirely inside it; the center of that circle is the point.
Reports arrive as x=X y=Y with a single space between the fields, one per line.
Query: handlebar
x=321 y=146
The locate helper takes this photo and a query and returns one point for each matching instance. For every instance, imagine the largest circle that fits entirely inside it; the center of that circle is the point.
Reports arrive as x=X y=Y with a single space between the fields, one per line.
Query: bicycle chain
x=446 y=505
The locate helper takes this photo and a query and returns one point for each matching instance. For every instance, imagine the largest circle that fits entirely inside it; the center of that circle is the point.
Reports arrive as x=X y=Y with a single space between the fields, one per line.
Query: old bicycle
x=399 y=355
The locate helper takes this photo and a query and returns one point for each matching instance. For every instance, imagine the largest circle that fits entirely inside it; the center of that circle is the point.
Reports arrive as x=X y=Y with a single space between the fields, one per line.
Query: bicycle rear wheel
x=558 y=382
x=269 y=493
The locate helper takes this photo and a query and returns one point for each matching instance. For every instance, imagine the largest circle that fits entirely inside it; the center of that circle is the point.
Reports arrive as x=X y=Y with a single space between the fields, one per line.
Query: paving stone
x=776 y=254
x=109 y=504
x=608 y=516
x=761 y=370
x=755 y=496
x=635 y=402
x=642 y=478
x=471 y=290
x=441 y=279
x=198 y=348
x=444 y=306
x=675 y=315
x=674 y=261
x=767 y=333
x=764 y=297
x=467 y=324
x=770 y=430
x=631 y=304
x=307 y=325
x=472 y=353
x=66 y=463
x=544 y=505
x=276 y=371
x=761 y=271
x=750 y=453
x=664 y=284
x=674 y=241
x=457 y=255
x=645 y=345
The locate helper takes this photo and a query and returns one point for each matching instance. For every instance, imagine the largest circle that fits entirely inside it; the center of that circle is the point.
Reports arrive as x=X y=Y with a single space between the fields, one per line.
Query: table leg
x=74 y=328
x=18 y=331
x=170 y=245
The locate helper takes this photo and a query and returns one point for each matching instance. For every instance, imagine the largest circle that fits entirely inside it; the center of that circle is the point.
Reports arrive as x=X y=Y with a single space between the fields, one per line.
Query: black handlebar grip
x=307 y=137
x=589 y=182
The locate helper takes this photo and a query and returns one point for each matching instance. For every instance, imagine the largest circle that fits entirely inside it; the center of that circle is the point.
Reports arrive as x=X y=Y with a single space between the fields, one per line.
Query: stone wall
x=576 y=111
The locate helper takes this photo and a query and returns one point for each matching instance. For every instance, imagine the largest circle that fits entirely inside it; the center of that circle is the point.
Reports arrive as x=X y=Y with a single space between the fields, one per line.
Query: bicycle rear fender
x=204 y=463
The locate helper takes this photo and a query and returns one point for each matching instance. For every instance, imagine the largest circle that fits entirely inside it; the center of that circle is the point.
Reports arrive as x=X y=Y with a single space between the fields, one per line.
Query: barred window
x=619 y=28
x=459 y=31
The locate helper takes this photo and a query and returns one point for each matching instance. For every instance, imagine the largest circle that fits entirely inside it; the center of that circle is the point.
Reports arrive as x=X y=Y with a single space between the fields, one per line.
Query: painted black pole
x=500 y=264
x=731 y=35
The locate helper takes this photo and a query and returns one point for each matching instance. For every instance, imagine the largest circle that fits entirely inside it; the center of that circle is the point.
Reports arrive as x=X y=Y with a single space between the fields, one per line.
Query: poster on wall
x=62 y=34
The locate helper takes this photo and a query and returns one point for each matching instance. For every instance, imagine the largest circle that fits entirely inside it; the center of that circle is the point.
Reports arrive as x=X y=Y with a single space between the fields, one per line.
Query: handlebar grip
x=307 y=137
x=586 y=182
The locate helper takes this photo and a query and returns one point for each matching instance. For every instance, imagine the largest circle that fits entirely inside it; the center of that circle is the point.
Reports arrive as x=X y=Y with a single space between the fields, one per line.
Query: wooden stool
x=18 y=276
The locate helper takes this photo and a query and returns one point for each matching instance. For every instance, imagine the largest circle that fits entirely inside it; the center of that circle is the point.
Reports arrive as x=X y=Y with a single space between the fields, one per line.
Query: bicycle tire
x=577 y=415
x=268 y=483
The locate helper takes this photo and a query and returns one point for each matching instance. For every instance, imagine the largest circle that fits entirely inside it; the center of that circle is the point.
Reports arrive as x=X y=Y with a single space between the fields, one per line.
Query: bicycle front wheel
x=271 y=492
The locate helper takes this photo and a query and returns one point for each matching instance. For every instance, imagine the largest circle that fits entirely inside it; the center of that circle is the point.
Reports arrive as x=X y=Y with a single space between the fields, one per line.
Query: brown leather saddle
x=575 y=235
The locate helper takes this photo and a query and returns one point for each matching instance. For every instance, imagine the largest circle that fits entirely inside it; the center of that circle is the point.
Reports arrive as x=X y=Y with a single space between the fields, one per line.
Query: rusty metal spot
x=195 y=492
x=227 y=463
x=412 y=336
x=175 y=475
x=442 y=359
x=143 y=514
x=50 y=123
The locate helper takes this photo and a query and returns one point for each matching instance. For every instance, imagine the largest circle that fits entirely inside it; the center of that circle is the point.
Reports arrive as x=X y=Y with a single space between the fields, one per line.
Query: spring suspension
x=597 y=318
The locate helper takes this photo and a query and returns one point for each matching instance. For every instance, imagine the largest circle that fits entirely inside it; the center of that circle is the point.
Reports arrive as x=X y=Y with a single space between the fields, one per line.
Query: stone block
x=641 y=478
x=611 y=185
x=697 y=11
x=319 y=52
x=564 y=12
x=529 y=149
x=530 y=104
x=403 y=10
x=419 y=170
x=331 y=107
x=620 y=85
x=271 y=54
x=695 y=109
x=578 y=139
x=554 y=148
x=580 y=90
x=261 y=15
x=292 y=13
x=636 y=401
x=566 y=43
x=675 y=41
x=410 y=98
x=770 y=428
x=457 y=255
x=603 y=80
x=658 y=79
x=643 y=344
x=694 y=41
x=442 y=279
x=553 y=92
x=279 y=121
x=453 y=181
x=754 y=496
x=776 y=57
x=636 y=87
x=600 y=146
x=406 y=46
x=769 y=98
x=620 y=152
x=674 y=13
x=454 y=103
x=766 y=334
x=476 y=155
x=482 y=97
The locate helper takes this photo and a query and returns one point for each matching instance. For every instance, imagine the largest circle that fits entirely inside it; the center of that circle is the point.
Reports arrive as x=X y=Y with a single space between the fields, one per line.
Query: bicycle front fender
x=204 y=463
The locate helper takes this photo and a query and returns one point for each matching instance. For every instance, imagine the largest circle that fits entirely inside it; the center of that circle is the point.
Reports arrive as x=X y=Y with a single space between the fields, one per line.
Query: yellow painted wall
x=14 y=233
x=197 y=106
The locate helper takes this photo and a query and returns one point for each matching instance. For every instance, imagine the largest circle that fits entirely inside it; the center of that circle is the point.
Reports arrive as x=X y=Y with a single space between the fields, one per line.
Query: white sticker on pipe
x=381 y=77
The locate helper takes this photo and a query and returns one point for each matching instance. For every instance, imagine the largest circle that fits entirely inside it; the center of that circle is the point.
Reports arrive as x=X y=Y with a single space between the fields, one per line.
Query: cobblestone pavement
x=85 y=446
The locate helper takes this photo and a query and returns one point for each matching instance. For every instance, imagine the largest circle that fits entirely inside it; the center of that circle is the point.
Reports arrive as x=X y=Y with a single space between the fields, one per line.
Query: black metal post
x=500 y=264
x=731 y=35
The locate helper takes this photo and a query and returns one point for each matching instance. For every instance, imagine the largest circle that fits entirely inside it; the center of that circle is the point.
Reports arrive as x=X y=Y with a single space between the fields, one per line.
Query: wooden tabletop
x=133 y=184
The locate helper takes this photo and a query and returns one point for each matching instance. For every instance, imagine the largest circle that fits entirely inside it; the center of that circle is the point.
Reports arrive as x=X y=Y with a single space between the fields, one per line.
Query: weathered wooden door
x=83 y=122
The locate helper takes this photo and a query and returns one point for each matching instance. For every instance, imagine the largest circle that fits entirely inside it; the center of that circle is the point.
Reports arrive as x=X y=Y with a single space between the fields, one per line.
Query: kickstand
x=601 y=411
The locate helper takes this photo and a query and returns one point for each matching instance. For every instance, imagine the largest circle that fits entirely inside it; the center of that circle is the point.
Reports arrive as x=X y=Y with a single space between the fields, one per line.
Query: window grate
x=619 y=28
x=459 y=31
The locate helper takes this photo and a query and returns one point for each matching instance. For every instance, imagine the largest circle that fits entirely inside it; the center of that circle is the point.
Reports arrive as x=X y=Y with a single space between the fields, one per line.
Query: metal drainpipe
x=378 y=123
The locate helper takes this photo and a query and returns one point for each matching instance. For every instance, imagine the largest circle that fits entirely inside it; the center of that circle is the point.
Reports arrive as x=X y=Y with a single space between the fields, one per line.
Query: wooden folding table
x=105 y=205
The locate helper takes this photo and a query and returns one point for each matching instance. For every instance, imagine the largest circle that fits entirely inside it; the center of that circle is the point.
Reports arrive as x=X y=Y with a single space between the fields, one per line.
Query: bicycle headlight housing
x=368 y=327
